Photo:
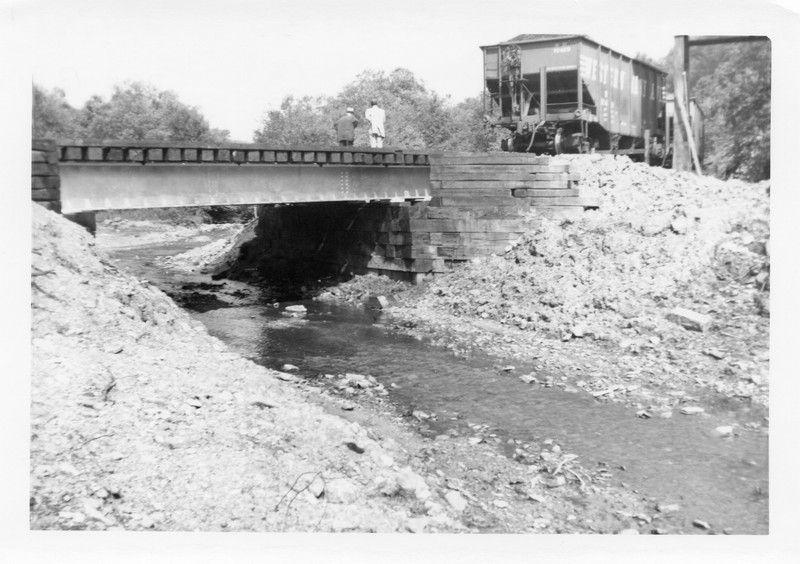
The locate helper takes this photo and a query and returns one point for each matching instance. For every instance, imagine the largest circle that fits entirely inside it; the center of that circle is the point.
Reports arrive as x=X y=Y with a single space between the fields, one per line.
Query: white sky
x=238 y=58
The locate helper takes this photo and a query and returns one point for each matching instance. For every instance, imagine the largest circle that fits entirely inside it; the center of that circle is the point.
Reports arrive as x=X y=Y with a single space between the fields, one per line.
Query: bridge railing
x=152 y=152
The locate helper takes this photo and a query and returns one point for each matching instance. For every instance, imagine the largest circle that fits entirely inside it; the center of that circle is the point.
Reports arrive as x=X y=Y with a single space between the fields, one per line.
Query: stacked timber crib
x=45 y=181
x=480 y=205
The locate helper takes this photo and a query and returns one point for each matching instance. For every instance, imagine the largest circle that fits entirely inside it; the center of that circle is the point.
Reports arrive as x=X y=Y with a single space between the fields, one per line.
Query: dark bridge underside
x=106 y=175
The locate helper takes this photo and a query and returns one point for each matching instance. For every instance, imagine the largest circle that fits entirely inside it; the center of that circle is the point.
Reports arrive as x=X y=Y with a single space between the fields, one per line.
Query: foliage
x=735 y=98
x=135 y=111
x=139 y=111
x=416 y=118
x=732 y=83
x=53 y=117
x=304 y=121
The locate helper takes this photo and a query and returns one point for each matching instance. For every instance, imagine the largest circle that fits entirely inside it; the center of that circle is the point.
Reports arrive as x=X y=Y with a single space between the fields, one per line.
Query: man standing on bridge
x=345 y=128
x=376 y=118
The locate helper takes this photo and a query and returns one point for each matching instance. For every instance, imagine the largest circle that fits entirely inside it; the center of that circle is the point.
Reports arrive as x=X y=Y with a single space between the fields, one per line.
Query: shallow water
x=679 y=460
x=722 y=481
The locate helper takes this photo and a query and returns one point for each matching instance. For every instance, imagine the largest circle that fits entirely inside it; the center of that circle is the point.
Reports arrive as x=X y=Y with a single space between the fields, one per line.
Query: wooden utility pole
x=681 y=154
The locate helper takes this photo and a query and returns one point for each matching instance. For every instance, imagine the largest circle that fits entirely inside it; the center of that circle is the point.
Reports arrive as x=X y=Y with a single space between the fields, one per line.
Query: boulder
x=689 y=319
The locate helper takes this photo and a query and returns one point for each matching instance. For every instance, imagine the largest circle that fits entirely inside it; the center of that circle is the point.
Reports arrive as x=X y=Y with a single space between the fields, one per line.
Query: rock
x=502 y=504
x=378 y=302
x=411 y=482
x=285 y=377
x=528 y=378
x=289 y=367
x=701 y=524
x=668 y=507
x=507 y=368
x=355 y=447
x=296 y=308
x=420 y=415
x=340 y=490
x=689 y=319
x=456 y=501
x=348 y=406
x=578 y=331
x=692 y=410
x=416 y=524
x=629 y=532
x=541 y=523
x=724 y=430
x=643 y=414
x=714 y=353
x=680 y=225
x=475 y=440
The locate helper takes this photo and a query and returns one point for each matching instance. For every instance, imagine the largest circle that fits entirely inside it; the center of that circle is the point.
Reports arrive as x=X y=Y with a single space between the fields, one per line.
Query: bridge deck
x=110 y=175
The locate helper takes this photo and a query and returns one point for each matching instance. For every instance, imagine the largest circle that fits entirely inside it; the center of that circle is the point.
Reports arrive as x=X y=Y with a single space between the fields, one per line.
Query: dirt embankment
x=593 y=301
x=141 y=420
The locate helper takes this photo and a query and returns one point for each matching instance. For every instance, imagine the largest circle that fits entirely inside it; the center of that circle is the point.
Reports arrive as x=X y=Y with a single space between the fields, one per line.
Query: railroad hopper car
x=568 y=94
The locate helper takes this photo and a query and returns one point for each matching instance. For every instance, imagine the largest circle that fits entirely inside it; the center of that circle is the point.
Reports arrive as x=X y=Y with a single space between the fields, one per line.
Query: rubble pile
x=660 y=240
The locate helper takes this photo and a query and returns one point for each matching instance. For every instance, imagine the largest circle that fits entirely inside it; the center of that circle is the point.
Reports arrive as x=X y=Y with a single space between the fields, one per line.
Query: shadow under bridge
x=129 y=175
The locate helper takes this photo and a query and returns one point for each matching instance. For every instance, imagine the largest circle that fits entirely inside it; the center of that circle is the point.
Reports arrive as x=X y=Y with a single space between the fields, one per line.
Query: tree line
x=731 y=83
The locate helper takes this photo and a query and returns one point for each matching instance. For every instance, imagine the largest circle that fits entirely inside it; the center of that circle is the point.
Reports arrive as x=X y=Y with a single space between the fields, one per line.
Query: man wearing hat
x=377 y=119
x=345 y=128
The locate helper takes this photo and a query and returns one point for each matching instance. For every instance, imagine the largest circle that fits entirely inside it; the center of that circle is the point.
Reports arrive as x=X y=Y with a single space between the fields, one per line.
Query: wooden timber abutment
x=480 y=204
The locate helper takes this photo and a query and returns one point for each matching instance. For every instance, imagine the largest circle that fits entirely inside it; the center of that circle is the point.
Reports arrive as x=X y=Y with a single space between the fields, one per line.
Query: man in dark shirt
x=345 y=128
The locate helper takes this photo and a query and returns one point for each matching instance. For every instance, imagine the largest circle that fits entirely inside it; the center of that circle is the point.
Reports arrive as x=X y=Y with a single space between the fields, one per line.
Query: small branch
x=87 y=441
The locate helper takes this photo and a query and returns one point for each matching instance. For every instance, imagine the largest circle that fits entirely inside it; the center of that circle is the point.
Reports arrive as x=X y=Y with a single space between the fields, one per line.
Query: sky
x=235 y=60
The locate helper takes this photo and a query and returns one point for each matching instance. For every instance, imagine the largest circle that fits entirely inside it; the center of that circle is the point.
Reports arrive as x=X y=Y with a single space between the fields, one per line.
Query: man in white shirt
x=376 y=118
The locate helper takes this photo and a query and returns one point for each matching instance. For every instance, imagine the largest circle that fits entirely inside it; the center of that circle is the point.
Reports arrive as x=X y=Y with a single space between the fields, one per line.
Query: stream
x=680 y=460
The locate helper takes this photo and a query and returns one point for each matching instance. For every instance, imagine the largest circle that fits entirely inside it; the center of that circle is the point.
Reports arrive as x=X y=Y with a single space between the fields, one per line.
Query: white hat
x=351 y=110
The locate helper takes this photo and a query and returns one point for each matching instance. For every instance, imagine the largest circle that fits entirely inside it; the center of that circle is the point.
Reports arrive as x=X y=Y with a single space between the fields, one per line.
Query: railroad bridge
x=406 y=214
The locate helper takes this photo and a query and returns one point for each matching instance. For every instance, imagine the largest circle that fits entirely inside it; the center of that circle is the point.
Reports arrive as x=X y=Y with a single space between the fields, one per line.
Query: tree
x=304 y=121
x=732 y=84
x=53 y=116
x=735 y=98
x=138 y=111
x=469 y=132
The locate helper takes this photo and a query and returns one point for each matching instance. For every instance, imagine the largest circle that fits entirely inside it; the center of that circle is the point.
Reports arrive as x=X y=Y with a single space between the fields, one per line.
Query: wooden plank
x=529 y=193
x=465 y=225
x=45 y=182
x=45 y=194
x=44 y=169
x=583 y=202
x=517 y=168
x=43 y=145
x=94 y=153
x=72 y=153
x=479 y=201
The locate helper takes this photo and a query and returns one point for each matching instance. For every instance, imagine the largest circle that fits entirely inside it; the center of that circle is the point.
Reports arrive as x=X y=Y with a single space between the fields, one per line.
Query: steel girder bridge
x=103 y=175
